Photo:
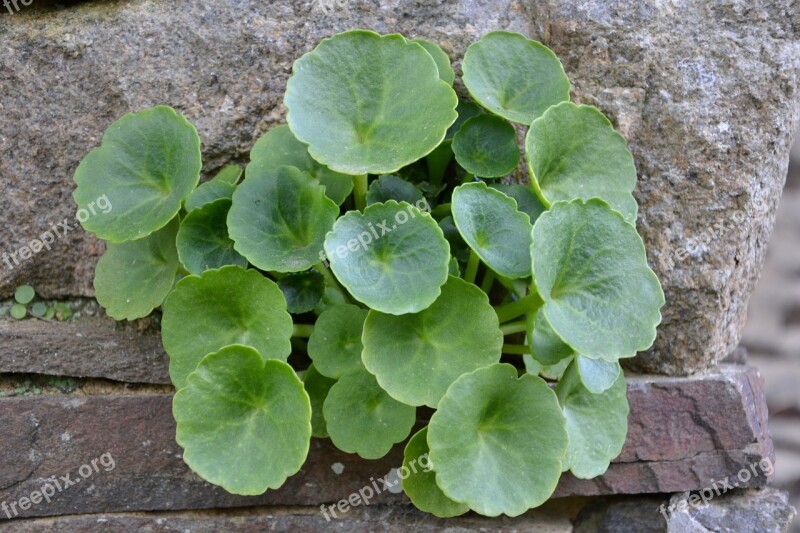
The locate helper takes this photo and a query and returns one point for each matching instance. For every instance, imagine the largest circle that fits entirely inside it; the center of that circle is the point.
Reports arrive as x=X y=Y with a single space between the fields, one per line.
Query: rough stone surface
x=706 y=93
x=761 y=511
x=684 y=434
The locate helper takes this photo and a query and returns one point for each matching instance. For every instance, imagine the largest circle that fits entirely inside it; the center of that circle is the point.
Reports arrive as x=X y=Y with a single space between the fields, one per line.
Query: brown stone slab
x=95 y=347
x=685 y=434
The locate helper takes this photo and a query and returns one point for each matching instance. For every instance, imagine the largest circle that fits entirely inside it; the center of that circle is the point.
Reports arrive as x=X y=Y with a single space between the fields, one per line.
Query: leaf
x=446 y=72
x=133 y=278
x=208 y=192
x=454 y=269
x=279 y=147
x=597 y=423
x=547 y=346
x=227 y=306
x=229 y=174
x=203 y=241
x=458 y=247
x=486 y=146
x=551 y=372
x=368 y=104
x=420 y=481
x=302 y=290
x=279 y=218
x=363 y=419
x=335 y=345
x=244 y=423
x=514 y=77
x=497 y=441
x=330 y=298
x=146 y=165
x=466 y=110
x=393 y=257
x=591 y=270
x=317 y=386
x=574 y=152
x=597 y=375
x=415 y=357
x=526 y=199
x=24 y=294
x=388 y=187
x=494 y=228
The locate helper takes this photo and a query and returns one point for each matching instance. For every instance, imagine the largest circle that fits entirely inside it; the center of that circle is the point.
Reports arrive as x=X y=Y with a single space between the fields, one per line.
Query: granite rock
x=706 y=93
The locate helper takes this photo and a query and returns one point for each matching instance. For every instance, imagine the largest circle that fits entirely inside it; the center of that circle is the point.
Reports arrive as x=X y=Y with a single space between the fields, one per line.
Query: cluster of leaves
x=24 y=304
x=351 y=249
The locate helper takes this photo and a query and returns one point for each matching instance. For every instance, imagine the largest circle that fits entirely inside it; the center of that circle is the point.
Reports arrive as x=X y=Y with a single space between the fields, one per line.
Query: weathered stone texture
x=706 y=93
x=684 y=434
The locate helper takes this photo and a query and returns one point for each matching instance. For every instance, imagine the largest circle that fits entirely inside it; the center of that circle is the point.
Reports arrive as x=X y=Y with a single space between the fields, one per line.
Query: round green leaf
x=574 y=152
x=317 y=386
x=419 y=482
x=368 y=104
x=590 y=267
x=279 y=218
x=208 y=192
x=39 y=309
x=302 y=290
x=136 y=181
x=203 y=241
x=486 y=146
x=244 y=423
x=18 y=311
x=415 y=357
x=552 y=372
x=279 y=147
x=526 y=199
x=392 y=257
x=389 y=187
x=227 y=306
x=597 y=424
x=330 y=298
x=363 y=419
x=133 y=278
x=492 y=225
x=597 y=375
x=24 y=294
x=547 y=346
x=497 y=441
x=229 y=174
x=514 y=77
x=335 y=345
x=446 y=72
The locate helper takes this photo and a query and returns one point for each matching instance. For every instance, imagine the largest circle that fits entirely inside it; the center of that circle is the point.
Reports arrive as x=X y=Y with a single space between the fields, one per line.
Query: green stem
x=303 y=330
x=441 y=211
x=360 y=191
x=472 y=267
x=517 y=349
x=509 y=328
x=509 y=285
x=488 y=280
x=526 y=304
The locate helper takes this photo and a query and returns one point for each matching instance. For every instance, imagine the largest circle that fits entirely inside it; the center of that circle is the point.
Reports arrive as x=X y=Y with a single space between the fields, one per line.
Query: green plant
x=369 y=241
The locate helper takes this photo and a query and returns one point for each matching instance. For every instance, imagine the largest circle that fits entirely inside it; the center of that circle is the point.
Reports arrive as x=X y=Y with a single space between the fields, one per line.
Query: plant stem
x=472 y=267
x=526 y=304
x=303 y=330
x=509 y=328
x=508 y=284
x=517 y=349
x=360 y=191
x=488 y=280
x=441 y=211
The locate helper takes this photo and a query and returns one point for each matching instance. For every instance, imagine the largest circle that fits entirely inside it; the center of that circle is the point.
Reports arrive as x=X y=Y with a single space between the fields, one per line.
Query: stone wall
x=706 y=93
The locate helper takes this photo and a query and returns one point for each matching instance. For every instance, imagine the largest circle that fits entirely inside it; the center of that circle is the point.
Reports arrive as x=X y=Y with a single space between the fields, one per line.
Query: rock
x=705 y=93
x=765 y=510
